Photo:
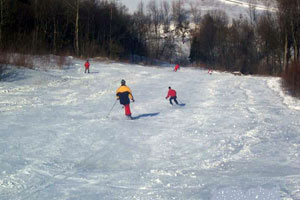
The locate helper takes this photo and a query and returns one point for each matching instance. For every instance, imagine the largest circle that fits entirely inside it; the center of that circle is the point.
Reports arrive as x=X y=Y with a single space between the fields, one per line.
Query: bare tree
x=75 y=8
x=180 y=18
x=155 y=23
x=289 y=21
x=2 y=3
x=252 y=11
x=154 y=15
x=140 y=22
x=77 y=29
x=165 y=16
x=195 y=12
x=268 y=43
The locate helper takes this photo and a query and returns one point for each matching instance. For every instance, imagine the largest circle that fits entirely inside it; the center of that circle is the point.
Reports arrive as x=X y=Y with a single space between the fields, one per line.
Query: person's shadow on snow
x=145 y=115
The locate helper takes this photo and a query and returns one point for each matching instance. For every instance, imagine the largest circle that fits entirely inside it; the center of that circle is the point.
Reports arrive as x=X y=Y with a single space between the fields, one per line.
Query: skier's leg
x=171 y=101
x=127 y=110
x=175 y=99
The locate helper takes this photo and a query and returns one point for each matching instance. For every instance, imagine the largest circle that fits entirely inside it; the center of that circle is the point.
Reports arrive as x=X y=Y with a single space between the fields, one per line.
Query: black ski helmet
x=123 y=82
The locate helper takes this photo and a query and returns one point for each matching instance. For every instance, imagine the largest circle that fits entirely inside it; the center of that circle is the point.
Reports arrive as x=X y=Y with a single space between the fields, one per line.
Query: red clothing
x=127 y=110
x=176 y=68
x=171 y=93
x=87 y=64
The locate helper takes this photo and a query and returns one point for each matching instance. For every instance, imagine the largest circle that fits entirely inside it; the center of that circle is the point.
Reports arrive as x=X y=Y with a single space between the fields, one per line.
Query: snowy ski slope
x=236 y=137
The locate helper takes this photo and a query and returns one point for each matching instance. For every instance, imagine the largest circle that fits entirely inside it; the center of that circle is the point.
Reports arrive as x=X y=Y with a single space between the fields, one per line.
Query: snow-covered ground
x=236 y=137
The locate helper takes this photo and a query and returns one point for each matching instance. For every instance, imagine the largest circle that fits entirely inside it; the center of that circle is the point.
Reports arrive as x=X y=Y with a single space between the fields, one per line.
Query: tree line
x=94 y=28
x=261 y=44
x=78 y=27
x=264 y=44
x=251 y=48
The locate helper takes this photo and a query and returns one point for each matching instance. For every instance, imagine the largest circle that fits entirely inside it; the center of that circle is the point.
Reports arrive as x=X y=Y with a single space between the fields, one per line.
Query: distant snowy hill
x=234 y=9
x=237 y=8
x=63 y=137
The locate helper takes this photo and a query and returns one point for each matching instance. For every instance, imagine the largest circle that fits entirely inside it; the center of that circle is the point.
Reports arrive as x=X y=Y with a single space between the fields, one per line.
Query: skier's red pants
x=127 y=109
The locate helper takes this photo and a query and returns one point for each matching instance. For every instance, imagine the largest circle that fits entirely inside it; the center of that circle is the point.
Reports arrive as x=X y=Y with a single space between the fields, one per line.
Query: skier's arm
x=131 y=96
x=168 y=95
x=117 y=93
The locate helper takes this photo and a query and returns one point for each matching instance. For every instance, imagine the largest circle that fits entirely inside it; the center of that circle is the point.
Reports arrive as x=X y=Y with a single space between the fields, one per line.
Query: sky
x=63 y=135
x=132 y=4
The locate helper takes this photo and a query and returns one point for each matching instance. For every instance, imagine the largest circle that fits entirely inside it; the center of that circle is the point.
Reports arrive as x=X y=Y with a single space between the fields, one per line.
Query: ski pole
x=179 y=101
x=111 y=108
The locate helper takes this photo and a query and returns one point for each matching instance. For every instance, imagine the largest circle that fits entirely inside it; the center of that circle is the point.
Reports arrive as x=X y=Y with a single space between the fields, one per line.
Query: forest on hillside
x=266 y=44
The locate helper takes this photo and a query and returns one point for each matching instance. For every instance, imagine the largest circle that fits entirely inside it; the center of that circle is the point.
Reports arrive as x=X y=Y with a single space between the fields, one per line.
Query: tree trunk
x=54 y=36
x=285 y=56
x=110 y=41
x=77 y=29
x=296 y=53
x=1 y=22
x=36 y=29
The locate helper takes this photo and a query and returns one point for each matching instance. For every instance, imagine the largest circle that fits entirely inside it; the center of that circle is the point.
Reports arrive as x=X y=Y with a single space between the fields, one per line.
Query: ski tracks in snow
x=223 y=134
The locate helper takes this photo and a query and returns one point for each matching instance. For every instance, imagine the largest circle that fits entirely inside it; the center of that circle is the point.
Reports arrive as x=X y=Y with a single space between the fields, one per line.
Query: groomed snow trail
x=236 y=137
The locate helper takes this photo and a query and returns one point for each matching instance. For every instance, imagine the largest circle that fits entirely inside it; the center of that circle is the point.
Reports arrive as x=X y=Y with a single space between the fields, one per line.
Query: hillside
x=233 y=8
x=237 y=137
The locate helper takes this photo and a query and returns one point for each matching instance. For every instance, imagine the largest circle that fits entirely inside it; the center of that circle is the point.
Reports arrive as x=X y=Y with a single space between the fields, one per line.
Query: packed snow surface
x=236 y=137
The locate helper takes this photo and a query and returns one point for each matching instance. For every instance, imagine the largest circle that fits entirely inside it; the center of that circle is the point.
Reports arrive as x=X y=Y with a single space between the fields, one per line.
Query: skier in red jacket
x=172 y=95
x=209 y=71
x=87 y=66
x=176 y=68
